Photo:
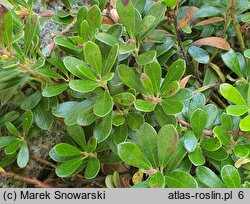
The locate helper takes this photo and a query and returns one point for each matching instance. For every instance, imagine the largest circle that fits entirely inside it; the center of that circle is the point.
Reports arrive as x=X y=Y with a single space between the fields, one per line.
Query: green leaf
x=247 y=52
x=196 y=157
x=27 y=120
x=170 y=3
x=77 y=134
x=135 y=120
x=231 y=176
x=92 y=169
x=12 y=148
x=207 y=11
x=144 y=106
x=103 y=104
x=170 y=90
x=78 y=68
x=175 y=72
x=147 y=83
x=66 y=150
x=23 y=155
x=92 y=144
x=218 y=155
x=111 y=59
x=241 y=151
x=157 y=180
x=83 y=86
x=172 y=106
x=153 y=70
x=126 y=12
x=147 y=142
x=162 y=118
x=94 y=19
x=103 y=128
x=199 y=54
x=183 y=94
x=177 y=157
x=157 y=10
x=146 y=57
x=208 y=177
x=198 y=121
x=244 y=123
x=12 y=129
x=231 y=60
x=54 y=90
x=212 y=114
x=68 y=168
x=6 y=24
x=232 y=94
x=31 y=101
x=6 y=140
x=112 y=41
x=67 y=45
x=118 y=120
x=190 y=141
x=166 y=144
x=180 y=179
x=147 y=24
x=30 y=30
x=131 y=154
x=93 y=56
x=130 y=78
x=43 y=117
x=210 y=144
x=125 y=98
x=222 y=135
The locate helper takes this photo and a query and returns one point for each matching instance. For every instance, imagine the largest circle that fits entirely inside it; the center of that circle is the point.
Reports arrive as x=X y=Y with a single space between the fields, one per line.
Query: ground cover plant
x=147 y=94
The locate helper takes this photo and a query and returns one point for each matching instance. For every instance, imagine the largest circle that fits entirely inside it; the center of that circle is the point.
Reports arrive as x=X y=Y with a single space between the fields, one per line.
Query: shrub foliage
x=160 y=86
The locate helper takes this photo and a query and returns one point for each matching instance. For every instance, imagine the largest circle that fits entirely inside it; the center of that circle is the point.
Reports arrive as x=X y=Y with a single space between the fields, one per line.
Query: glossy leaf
x=132 y=155
x=144 y=106
x=190 y=141
x=147 y=142
x=130 y=78
x=126 y=12
x=146 y=57
x=198 y=121
x=245 y=123
x=180 y=179
x=125 y=98
x=103 y=128
x=222 y=135
x=83 y=86
x=199 y=54
x=208 y=177
x=167 y=143
x=103 y=104
x=196 y=157
x=157 y=180
x=28 y=118
x=54 y=90
x=231 y=60
x=92 y=169
x=231 y=176
x=175 y=72
x=23 y=155
x=232 y=94
x=68 y=168
x=93 y=56
x=172 y=106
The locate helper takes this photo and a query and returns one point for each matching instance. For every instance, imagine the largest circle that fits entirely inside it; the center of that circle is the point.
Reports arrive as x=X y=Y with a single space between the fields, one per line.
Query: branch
x=67 y=29
x=25 y=179
x=237 y=27
x=210 y=132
